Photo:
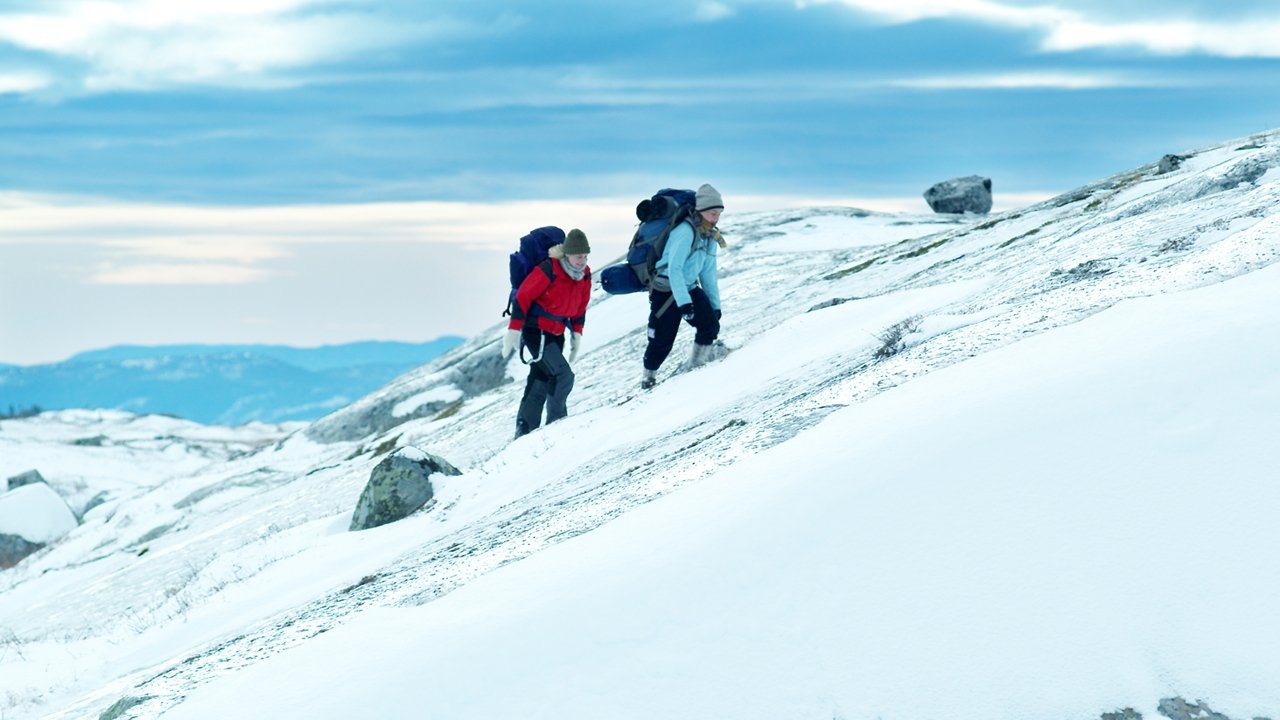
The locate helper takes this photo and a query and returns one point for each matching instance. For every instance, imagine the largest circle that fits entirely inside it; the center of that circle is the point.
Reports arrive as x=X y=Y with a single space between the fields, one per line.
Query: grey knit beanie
x=707 y=198
x=576 y=243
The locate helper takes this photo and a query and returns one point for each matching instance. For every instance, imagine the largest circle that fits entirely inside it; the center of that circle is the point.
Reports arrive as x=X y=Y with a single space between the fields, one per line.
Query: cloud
x=1224 y=39
x=1023 y=81
x=1069 y=30
x=905 y=11
x=145 y=44
x=141 y=244
x=177 y=274
x=712 y=11
x=202 y=248
x=18 y=83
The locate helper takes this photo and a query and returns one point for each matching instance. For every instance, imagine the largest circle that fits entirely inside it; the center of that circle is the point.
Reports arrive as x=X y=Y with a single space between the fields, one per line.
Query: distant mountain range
x=216 y=384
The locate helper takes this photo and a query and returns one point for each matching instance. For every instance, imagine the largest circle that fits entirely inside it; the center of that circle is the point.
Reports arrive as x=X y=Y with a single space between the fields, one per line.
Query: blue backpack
x=658 y=215
x=533 y=250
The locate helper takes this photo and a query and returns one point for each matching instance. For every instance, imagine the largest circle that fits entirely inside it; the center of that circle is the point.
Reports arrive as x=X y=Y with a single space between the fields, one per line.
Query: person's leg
x=556 y=367
x=704 y=318
x=664 y=324
x=536 y=388
x=707 y=326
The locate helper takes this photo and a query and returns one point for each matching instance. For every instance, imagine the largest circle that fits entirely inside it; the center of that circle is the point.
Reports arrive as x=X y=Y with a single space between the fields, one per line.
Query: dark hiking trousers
x=550 y=380
x=665 y=324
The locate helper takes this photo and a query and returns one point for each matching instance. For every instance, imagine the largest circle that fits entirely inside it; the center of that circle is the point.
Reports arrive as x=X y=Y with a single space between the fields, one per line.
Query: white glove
x=510 y=342
x=574 y=339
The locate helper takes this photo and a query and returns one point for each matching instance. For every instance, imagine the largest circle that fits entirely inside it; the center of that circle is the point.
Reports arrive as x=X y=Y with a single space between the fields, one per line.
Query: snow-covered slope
x=1048 y=498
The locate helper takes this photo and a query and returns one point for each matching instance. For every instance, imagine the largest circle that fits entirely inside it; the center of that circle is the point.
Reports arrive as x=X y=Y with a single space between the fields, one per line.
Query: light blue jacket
x=688 y=262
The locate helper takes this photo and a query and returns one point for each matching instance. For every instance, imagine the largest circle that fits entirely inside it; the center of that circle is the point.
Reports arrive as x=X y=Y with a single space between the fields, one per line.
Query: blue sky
x=214 y=171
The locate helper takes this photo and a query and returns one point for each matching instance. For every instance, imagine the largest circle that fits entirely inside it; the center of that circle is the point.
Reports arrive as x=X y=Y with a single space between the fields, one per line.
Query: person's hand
x=687 y=311
x=574 y=339
x=510 y=342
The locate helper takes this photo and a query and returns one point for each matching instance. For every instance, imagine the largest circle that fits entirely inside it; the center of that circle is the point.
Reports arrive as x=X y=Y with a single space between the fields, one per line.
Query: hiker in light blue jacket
x=686 y=287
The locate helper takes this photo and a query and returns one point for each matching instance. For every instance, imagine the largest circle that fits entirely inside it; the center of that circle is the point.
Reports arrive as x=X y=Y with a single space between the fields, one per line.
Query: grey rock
x=959 y=195
x=93 y=502
x=398 y=486
x=369 y=416
x=473 y=368
x=1246 y=172
x=1169 y=163
x=29 y=477
x=121 y=706
x=1176 y=708
x=95 y=441
x=14 y=548
x=1125 y=714
x=830 y=303
x=484 y=372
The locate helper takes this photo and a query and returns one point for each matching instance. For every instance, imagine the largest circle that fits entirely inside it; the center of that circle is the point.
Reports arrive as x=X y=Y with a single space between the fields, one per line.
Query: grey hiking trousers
x=550 y=380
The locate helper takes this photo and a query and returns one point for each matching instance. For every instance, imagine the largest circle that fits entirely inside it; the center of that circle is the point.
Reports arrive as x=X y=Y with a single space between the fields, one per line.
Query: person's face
x=712 y=216
x=577 y=261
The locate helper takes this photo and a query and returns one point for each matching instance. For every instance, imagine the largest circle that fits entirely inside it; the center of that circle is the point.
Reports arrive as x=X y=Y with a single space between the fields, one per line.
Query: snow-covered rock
x=35 y=512
x=398 y=486
x=31 y=516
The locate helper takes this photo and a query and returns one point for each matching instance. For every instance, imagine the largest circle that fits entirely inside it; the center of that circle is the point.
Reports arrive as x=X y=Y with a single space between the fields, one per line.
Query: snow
x=36 y=513
x=808 y=232
x=1020 y=543
x=1054 y=501
x=412 y=453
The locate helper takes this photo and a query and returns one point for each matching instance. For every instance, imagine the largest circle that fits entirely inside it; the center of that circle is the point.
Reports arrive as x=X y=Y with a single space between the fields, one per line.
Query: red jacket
x=552 y=299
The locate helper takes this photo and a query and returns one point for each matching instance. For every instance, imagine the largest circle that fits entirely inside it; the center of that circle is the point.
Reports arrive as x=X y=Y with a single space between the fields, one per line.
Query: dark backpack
x=533 y=250
x=658 y=215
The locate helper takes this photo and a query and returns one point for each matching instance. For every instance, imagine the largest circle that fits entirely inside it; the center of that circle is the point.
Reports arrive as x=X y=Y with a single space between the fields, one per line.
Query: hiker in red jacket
x=552 y=298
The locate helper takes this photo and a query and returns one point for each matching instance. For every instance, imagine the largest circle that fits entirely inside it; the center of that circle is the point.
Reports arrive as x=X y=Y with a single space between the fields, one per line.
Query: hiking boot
x=698 y=356
x=648 y=379
x=521 y=429
x=717 y=351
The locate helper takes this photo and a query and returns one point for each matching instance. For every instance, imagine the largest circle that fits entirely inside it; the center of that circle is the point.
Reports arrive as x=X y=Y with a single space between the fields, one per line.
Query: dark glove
x=687 y=311
x=717 y=314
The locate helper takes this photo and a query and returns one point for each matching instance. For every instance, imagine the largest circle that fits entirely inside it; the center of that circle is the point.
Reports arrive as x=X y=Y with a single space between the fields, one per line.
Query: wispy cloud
x=712 y=11
x=143 y=44
x=904 y=11
x=1225 y=39
x=488 y=89
x=201 y=248
x=1064 y=30
x=1024 y=81
x=19 y=82
x=177 y=274
x=191 y=245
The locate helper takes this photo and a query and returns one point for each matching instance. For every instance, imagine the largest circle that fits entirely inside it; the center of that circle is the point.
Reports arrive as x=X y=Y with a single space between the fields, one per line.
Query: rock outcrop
x=960 y=195
x=399 y=486
x=27 y=478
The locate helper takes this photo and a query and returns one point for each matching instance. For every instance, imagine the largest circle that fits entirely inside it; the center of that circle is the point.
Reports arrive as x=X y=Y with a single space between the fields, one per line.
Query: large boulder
x=399 y=486
x=960 y=195
x=13 y=549
x=31 y=517
x=1169 y=163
